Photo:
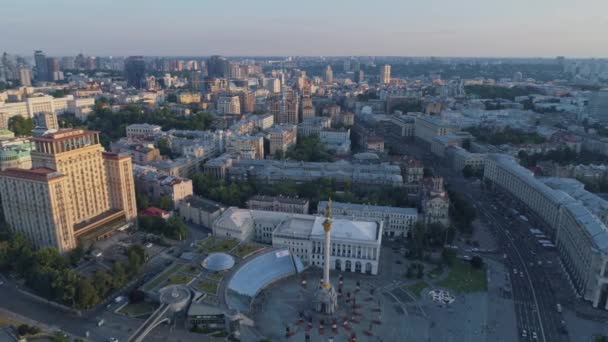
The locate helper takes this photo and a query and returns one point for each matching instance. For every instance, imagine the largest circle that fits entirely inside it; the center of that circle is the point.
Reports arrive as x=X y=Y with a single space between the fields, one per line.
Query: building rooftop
x=337 y=206
x=344 y=229
x=203 y=203
x=37 y=174
x=290 y=200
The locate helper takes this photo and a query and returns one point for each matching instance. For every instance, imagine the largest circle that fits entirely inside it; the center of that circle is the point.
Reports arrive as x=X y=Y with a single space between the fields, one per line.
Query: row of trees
x=498 y=92
x=173 y=228
x=113 y=124
x=308 y=149
x=506 y=136
x=20 y=125
x=462 y=213
x=562 y=156
x=428 y=237
x=49 y=273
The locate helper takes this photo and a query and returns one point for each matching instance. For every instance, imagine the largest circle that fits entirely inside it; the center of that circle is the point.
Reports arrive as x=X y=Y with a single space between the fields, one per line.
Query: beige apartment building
x=86 y=194
x=282 y=137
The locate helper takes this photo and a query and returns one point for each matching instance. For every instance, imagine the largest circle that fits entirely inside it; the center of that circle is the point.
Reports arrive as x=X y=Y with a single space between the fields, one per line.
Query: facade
x=282 y=137
x=199 y=210
x=249 y=146
x=228 y=105
x=272 y=171
x=312 y=126
x=78 y=201
x=355 y=245
x=143 y=131
x=142 y=154
x=337 y=141
x=42 y=73
x=278 y=203
x=435 y=203
x=598 y=105
x=135 y=71
x=329 y=75
x=580 y=236
x=285 y=109
x=427 y=128
x=25 y=76
x=385 y=74
x=459 y=158
x=15 y=153
x=188 y=98
x=396 y=221
x=156 y=185
x=46 y=120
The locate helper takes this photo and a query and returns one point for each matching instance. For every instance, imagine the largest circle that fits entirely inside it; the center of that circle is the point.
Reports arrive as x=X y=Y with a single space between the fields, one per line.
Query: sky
x=485 y=28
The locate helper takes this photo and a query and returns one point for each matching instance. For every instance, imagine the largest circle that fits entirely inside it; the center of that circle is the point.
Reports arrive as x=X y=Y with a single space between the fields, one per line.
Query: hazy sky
x=311 y=27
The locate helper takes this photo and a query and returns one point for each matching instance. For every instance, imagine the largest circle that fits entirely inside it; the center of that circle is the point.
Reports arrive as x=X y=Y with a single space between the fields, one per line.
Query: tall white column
x=327 y=259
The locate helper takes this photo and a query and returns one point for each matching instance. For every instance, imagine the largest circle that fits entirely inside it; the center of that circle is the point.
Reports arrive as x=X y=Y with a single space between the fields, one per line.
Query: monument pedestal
x=326 y=300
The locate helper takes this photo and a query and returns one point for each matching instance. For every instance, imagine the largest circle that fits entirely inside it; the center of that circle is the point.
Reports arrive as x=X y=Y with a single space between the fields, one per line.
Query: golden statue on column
x=326 y=296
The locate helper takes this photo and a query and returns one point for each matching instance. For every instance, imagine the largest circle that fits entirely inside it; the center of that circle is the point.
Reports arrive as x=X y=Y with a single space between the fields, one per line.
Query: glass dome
x=218 y=262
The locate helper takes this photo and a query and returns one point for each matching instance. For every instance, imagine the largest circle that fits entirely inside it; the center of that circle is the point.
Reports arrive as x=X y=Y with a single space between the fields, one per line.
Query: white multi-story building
x=282 y=137
x=355 y=244
x=396 y=221
x=228 y=105
x=143 y=131
x=428 y=127
x=337 y=141
x=580 y=235
x=459 y=158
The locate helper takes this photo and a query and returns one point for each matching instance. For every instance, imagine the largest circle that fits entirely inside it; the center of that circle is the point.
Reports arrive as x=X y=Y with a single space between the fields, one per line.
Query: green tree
x=86 y=294
x=142 y=200
x=468 y=171
x=103 y=283
x=166 y=202
x=177 y=228
x=164 y=148
x=119 y=275
x=21 y=126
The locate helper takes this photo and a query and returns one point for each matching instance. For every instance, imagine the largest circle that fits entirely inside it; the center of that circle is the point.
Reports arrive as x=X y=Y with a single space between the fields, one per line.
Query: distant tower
x=135 y=70
x=326 y=298
x=41 y=66
x=385 y=74
x=329 y=74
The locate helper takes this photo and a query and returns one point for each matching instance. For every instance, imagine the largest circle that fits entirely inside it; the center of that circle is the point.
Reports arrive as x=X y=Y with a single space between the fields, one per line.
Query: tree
x=60 y=336
x=86 y=294
x=164 y=148
x=448 y=256
x=477 y=262
x=466 y=144
x=119 y=275
x=142 y=200
x=177 y=227
x=20 y=125
x=166 y=202
x=420 y=271
x=103 y=283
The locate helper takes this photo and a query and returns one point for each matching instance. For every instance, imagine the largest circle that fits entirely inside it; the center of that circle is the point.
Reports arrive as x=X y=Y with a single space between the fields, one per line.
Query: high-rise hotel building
x=74 y=192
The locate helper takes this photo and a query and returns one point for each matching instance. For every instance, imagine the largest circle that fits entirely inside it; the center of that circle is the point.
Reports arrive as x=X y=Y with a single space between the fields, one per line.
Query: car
x=524 y=333
x=148 y=245
x=559 y=307
x=101 y=322
x=112 y=339
x=515 y=271
x=534 y=336
x=1 y=282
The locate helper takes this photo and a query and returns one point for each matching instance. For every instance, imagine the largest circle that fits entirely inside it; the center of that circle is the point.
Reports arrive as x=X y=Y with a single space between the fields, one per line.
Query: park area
x=463 y=277
x=213 y=245
x=170 y=276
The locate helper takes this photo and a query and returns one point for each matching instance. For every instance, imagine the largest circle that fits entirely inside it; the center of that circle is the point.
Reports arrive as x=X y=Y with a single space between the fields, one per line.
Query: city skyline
x=389 y=28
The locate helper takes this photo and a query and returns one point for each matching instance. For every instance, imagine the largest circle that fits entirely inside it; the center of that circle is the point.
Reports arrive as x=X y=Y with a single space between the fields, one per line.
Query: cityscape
x=250 y=189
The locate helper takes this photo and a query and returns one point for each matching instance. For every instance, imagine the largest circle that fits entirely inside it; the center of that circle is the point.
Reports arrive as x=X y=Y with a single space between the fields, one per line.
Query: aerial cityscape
x=329 y=172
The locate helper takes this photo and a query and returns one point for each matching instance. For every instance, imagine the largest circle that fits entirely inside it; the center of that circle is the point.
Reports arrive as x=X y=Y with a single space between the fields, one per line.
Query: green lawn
x=215 y=275
x=179 y=279
x=416 y=288
x=245 y=249
x=213 y=244
x=464 y=278
x=208 y=286
x=138 y=309
x=162 y=278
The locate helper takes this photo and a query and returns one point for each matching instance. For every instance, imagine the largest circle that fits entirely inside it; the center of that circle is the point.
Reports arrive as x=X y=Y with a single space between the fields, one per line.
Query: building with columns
x=355 y=244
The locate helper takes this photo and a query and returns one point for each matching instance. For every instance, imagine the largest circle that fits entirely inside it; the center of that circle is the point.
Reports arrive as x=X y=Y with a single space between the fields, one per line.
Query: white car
x=534 y=336
x=524 y=333
x=112 y=339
